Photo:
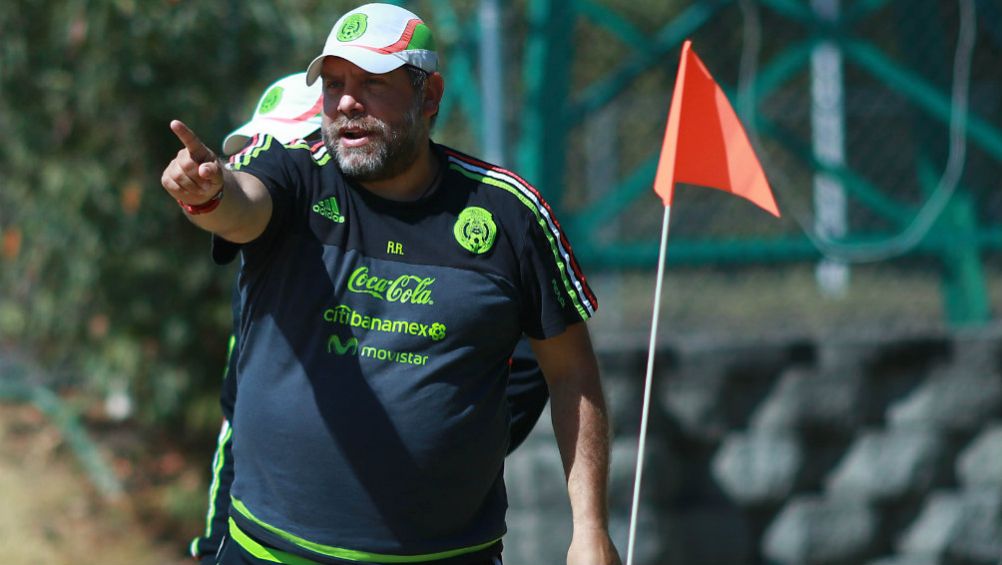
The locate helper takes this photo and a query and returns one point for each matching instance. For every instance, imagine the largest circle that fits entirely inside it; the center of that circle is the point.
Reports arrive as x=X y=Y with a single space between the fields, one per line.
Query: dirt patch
x=51 y=514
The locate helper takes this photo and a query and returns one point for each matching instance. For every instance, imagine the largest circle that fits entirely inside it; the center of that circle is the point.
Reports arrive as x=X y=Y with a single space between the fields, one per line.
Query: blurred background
x=828 y=384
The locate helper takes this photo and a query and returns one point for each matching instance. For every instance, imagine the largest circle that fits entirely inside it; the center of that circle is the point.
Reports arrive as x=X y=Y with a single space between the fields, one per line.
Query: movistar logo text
x=406 y=289
x=346 y=316
x=329 y=209
x=350 y=347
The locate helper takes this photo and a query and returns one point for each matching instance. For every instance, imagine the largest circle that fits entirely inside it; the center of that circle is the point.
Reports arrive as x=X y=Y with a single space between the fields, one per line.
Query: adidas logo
x=329 y=209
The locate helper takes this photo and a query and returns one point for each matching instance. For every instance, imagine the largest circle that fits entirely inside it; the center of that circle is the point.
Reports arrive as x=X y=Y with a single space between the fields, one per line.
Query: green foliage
x=104 y=281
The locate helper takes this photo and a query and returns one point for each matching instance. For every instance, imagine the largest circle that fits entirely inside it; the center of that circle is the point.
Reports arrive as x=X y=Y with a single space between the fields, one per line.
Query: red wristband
x=203 y=208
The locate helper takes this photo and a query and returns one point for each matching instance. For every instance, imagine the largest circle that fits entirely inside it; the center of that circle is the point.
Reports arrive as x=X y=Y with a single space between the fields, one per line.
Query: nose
x=349 y=106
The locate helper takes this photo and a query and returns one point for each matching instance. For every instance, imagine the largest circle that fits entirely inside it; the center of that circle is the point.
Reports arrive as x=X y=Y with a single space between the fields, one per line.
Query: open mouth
x=354 y=133
x=350 y=137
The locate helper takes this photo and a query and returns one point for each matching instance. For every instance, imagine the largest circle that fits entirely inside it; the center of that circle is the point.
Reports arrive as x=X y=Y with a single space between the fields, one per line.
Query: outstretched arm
x=582 y=429
x=196 y=177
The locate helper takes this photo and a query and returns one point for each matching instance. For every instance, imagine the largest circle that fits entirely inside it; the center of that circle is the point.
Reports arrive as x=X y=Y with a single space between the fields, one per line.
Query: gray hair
x=419 y=78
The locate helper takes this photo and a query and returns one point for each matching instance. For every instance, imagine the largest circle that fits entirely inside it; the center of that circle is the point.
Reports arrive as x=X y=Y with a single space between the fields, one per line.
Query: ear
x=434 y=88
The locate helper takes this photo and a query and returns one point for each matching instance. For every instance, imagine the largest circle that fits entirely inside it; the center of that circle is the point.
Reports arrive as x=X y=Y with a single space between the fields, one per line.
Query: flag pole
x=647 y=385
x=704 y=145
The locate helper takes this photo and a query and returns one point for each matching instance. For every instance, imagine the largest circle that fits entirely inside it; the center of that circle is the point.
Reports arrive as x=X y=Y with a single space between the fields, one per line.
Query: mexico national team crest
x=271 y=100
x=352 y=28
x=475 y=230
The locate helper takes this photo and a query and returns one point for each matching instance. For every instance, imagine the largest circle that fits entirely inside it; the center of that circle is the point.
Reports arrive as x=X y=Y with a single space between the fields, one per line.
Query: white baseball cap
x=289 y=109
x=379 y=38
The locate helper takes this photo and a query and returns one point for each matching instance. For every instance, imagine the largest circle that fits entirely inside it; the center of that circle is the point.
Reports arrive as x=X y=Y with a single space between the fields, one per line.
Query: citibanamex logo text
x=405 y=289
x=345 y=316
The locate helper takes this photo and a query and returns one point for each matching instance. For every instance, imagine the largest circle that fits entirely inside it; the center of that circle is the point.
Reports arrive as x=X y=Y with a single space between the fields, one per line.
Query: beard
x=393 y=146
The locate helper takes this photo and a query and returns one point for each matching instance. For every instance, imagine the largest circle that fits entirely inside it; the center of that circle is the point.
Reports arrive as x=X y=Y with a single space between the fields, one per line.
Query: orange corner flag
x=704 y=141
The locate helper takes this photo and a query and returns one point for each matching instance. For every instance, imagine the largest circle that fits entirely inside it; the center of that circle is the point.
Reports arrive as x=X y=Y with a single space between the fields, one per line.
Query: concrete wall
x=873 y=450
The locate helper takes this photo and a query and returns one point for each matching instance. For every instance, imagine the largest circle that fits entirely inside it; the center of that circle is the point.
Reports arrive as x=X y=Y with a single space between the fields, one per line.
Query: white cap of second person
x=289 y=109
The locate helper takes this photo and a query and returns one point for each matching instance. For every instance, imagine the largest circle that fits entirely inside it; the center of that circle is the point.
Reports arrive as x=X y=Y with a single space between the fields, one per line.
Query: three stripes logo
x=329 y=209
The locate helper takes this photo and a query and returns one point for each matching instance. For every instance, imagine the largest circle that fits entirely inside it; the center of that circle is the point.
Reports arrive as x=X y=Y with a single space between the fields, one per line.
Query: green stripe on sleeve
x=246 y=158
x=561 y=267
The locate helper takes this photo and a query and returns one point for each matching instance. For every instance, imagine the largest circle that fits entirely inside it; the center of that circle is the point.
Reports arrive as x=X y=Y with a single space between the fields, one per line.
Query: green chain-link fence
x=891 y=215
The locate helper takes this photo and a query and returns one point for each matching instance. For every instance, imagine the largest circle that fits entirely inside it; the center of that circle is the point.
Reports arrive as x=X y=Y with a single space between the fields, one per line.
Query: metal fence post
x=542 y=149
x=965 y=294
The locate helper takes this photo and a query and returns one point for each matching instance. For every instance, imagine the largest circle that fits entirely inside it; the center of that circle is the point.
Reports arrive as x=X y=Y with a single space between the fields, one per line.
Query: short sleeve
x=555 y=292
x=269 y=161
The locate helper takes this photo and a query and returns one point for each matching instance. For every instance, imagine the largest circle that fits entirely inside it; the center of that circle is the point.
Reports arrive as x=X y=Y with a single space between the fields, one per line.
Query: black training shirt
x=375 y=338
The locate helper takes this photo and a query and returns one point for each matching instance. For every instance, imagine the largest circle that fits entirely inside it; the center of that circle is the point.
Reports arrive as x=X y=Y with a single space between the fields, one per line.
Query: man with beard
x=290 y=111
x=385 y=280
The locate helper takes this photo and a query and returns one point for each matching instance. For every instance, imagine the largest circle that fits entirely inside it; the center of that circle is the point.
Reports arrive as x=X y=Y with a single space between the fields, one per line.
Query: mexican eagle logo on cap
x=352 y=28
x=271 y=100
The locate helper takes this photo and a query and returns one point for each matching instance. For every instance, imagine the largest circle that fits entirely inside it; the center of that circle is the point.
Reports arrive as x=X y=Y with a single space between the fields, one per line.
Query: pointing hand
x=195 y=175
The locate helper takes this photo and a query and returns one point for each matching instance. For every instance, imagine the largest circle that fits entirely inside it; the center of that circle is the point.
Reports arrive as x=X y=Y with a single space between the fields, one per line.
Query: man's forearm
x=582 y=429
x=581 y=426
x=243 y=211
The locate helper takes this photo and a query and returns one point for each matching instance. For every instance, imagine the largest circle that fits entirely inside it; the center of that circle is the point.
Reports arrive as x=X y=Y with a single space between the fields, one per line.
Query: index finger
x=198 y=150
